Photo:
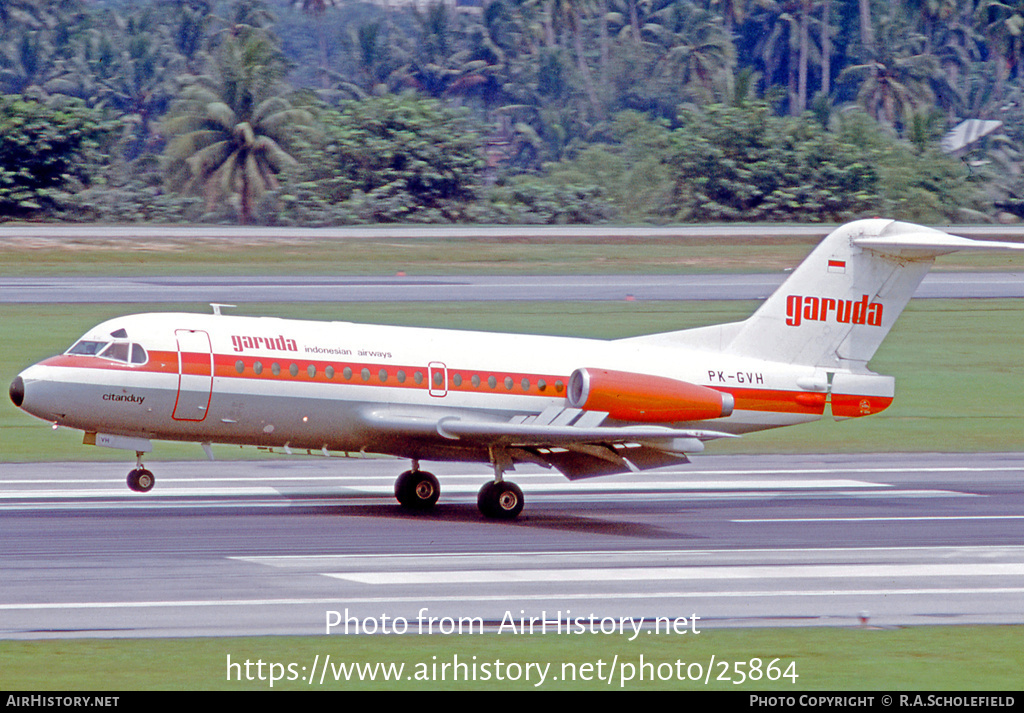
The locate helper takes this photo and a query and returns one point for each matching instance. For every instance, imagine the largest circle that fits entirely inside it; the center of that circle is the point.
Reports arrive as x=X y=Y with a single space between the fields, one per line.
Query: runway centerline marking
x=464 y=561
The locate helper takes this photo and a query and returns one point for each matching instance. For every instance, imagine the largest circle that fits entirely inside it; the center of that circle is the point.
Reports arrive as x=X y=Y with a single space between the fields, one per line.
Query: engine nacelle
x=640 y=397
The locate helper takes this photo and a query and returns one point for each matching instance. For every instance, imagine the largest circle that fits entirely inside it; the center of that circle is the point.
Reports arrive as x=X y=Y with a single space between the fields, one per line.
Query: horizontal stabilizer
x=931 y=243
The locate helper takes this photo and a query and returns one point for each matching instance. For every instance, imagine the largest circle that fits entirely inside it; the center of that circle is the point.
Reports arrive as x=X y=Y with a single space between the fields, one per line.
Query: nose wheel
x=141 y=480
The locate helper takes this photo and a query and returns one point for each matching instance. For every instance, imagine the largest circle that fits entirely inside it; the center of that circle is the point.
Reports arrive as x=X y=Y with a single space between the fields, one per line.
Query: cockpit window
x=87 y=348
x=117 y=351
x=138 y=354
x=124 y=352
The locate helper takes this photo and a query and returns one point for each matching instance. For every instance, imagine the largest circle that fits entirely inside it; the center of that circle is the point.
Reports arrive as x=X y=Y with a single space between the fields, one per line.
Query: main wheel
x=417 y=489
x=141 y=480
x=500 y=500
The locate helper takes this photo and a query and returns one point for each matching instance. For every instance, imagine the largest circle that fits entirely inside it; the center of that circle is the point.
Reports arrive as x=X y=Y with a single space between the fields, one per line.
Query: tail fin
x=840 y=303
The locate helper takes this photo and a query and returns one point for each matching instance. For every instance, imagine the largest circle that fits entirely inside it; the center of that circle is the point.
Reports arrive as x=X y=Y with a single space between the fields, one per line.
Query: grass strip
x=954 y=658
x=427 y=256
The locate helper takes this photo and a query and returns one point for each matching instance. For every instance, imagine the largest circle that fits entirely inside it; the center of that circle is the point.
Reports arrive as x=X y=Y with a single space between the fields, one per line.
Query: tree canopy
x=507 y=110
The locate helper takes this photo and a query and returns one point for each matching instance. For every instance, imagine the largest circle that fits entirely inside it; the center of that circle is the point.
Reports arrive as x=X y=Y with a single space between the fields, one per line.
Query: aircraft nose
x=17 y=391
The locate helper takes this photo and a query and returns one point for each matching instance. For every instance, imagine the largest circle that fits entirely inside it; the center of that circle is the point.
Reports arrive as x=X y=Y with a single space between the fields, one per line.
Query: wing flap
x=592 y=461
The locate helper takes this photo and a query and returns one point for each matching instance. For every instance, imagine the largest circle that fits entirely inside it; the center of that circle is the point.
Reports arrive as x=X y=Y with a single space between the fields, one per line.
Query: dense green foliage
x=390 y=159
x=41 y=153
x=290 y=111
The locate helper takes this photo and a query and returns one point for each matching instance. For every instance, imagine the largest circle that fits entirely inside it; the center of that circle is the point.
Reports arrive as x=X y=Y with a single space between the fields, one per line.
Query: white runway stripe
x=652 y=574
x=505 y=597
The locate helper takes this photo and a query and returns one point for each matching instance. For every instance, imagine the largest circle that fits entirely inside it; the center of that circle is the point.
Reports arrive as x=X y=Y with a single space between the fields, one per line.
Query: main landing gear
x=499 y=499
x=417 y=489
x=140 y=480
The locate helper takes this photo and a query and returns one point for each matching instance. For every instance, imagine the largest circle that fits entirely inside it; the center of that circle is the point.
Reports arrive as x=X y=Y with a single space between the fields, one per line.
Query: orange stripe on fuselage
x=777 y=401
x=158 y=363
x=225 y=367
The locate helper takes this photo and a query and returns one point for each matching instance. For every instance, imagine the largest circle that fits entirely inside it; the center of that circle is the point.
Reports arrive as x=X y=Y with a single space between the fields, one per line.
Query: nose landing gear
x=140 y=480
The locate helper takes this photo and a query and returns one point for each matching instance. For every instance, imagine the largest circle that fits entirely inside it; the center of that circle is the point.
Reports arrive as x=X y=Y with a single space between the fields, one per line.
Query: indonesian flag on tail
x=837 y=266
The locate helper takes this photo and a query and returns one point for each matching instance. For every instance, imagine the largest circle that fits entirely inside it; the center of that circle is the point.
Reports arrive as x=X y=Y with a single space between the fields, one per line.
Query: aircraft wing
x=569 y=439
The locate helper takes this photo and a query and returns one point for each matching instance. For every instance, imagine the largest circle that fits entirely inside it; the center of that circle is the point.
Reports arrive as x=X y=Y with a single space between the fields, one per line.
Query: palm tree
x=1002 y=24
x=696 y=51
x=316 y=10
x=19 y=12
x=778 y=46
x=36 y=41
x=867 y=32
x=570 y=15
x=190 y=31
x=228 y=132
x=898 y=82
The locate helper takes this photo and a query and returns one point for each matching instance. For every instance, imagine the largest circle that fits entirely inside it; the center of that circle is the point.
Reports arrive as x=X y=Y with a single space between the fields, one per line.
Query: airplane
x=585 y=407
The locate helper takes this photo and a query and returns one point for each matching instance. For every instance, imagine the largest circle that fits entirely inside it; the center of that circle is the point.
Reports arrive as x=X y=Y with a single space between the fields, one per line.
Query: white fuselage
x=310 y=385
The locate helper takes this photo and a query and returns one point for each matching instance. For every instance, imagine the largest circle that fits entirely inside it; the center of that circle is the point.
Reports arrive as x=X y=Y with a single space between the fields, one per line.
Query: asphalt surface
x=240 y=290
x=275 y=546
x=41 y=234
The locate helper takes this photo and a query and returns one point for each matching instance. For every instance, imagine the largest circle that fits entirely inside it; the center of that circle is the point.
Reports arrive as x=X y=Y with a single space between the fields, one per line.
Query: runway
x=240 y=290
x=280 y=545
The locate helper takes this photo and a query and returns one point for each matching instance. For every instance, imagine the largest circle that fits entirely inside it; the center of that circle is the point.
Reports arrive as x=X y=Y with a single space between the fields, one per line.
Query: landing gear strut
x=417 y=489
x=140 y=480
